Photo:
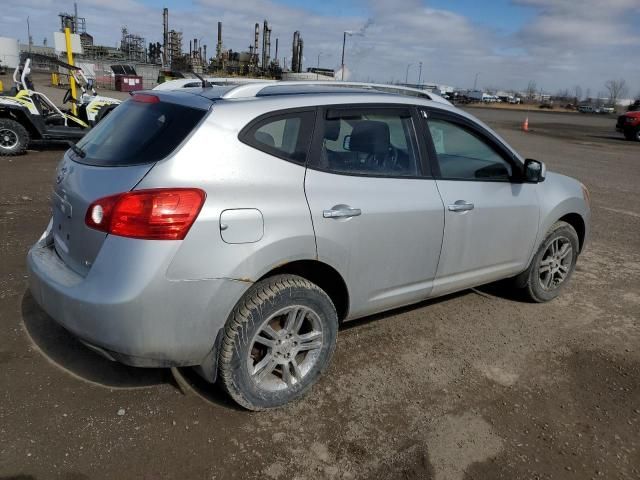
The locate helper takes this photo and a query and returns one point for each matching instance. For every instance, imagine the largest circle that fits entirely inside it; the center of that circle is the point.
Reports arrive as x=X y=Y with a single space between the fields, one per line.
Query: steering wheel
x=67 y=96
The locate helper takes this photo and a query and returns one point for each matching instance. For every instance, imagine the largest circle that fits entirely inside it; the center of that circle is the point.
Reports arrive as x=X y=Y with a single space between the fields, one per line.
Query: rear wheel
x=278 y=341
x=14 y=138
x=553 y=265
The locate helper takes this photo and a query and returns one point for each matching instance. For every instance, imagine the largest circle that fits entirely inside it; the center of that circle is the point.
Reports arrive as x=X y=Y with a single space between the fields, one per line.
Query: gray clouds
x=567 y=42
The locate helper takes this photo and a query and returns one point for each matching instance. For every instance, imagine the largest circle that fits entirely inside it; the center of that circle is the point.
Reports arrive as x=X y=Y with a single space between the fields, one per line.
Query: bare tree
x=577 y=93
x=617 y=89
x=531 y=90
x=587 y=95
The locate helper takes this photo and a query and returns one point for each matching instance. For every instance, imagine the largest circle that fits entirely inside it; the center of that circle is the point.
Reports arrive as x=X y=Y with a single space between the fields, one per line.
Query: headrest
x=266 y=138
x=332 y=129
x=370 y=136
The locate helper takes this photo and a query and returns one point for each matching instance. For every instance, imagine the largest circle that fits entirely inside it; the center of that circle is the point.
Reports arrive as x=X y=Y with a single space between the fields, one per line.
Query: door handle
x=342 y=212
x=460 y=206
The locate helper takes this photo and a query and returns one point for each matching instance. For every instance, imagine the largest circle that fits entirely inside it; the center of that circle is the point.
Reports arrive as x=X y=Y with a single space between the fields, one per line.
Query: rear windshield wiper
x=77 y=150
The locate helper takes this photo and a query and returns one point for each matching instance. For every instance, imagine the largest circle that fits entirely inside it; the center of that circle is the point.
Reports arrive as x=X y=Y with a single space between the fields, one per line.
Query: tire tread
x=262 y=292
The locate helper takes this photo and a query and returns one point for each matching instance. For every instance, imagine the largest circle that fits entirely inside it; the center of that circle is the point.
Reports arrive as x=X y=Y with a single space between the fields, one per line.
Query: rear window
x=136 y=133
x=284 y=135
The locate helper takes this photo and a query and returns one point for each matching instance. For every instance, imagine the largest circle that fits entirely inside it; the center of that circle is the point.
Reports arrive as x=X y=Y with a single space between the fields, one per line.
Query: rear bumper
x=133 y=315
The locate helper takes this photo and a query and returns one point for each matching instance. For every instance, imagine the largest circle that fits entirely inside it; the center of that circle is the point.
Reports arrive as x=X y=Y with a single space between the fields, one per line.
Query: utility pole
x=319 y=55
x=420 y=75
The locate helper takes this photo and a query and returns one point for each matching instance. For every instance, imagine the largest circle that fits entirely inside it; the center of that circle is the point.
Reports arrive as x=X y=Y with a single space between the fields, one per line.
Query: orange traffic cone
x=525 y=125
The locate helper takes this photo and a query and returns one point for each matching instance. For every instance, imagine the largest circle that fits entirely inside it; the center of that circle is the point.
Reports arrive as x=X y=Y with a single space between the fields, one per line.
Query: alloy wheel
x=555 y=265
x=286 y=348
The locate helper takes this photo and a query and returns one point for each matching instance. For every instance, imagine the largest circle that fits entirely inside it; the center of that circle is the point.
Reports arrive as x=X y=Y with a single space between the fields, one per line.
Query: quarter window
x=285 y=135
x=463 y=155
x=376 y=142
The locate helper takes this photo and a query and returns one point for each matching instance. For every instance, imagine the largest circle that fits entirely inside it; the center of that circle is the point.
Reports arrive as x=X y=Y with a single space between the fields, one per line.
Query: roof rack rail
x=254 y=89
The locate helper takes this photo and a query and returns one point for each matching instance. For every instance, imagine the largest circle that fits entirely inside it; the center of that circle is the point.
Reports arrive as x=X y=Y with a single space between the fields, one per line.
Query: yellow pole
x=72 y=80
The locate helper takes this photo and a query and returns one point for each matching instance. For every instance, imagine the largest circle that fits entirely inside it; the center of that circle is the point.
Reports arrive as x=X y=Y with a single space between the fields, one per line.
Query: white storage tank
x=9 y=52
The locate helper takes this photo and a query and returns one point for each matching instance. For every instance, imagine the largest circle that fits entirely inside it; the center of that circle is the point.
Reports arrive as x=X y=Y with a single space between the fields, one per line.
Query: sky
x=559 y=44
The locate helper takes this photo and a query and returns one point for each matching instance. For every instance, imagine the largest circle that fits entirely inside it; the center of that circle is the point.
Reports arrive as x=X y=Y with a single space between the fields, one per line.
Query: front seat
x=370 y=141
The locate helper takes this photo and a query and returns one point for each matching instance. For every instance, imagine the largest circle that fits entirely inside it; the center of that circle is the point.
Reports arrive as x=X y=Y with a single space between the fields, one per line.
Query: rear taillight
x=158 y=214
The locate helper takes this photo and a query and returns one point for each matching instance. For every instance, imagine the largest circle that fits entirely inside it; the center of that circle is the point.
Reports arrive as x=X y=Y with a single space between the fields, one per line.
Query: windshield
x=136 y=133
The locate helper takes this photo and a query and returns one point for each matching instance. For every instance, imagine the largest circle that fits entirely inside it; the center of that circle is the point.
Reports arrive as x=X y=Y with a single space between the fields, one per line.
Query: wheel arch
x=324 y=276
x=23 y=119
x=578 y=224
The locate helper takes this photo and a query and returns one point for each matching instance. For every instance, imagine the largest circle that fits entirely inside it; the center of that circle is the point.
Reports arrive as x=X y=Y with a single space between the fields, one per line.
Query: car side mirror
x=346 y=143
x=534 y=171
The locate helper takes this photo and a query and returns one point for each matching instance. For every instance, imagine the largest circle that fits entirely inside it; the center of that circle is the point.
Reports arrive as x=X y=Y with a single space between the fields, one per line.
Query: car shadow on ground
x=67 y=353
x=501 y=289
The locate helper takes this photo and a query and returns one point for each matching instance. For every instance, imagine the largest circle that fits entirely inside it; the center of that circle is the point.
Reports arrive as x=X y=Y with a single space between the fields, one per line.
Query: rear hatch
x=112 y=158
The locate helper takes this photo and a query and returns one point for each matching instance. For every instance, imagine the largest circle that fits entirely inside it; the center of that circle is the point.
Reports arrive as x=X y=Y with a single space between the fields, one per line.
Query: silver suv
x=233 y=228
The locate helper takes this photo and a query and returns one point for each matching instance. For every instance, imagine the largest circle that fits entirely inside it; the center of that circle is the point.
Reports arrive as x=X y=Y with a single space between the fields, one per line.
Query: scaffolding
x=174 y=47
x=132 y=46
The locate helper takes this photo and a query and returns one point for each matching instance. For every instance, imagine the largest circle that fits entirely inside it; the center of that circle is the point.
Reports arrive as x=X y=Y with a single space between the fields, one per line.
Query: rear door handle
x=460 y=206
x=341 y=212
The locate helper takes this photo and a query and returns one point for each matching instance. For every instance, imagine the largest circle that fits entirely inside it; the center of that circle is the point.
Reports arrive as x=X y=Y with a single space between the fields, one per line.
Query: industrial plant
x=173 y=56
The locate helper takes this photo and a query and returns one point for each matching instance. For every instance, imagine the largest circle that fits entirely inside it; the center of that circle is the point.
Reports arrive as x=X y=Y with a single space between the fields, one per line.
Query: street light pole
x=406 y=77
x=475 y=82
x=420 y=75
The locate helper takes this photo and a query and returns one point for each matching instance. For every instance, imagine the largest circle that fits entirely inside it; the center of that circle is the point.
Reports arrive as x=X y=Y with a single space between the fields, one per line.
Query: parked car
x=607 y=109
x=586 y=109
x=233 y=229
x=629 y=125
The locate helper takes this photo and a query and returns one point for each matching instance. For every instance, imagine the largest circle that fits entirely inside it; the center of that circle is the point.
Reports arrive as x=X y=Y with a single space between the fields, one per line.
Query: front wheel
x=278 y=341
x=14 y=138
x=553 y=264
x=633 y=134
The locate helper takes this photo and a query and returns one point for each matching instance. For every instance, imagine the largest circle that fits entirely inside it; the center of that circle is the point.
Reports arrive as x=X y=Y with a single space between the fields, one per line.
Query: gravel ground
x=474 y=385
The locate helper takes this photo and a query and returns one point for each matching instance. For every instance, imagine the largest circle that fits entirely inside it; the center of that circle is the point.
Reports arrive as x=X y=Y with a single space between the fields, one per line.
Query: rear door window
x=285 y=135
x=137 y=133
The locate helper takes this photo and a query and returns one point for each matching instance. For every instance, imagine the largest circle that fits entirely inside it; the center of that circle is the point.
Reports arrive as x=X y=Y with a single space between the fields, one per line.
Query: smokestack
x=190 y=48
x=75 y=19
x=276 y=50
x=165 y=35
x=219 y=44
x=268 y=42
x=204 y=59
x=300 y=47
x=294 y=52
x=265 y=33
x=256 y=39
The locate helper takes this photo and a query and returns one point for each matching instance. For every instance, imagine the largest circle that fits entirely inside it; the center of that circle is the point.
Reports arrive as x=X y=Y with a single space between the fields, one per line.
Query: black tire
x=14 y=138
x=532 y=280
x=260 y=309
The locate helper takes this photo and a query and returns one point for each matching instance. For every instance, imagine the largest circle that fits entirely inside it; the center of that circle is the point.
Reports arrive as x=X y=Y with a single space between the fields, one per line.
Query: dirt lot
x=471 y=386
